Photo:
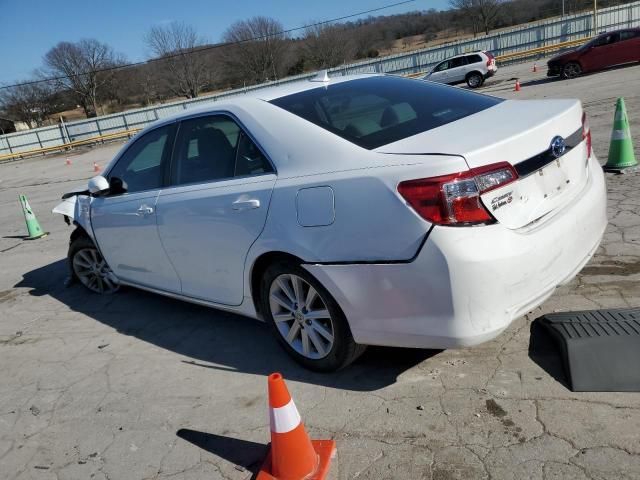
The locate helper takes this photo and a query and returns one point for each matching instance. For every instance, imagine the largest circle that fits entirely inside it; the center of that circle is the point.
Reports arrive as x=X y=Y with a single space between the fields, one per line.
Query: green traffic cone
x=621 y=154
x=32 y=222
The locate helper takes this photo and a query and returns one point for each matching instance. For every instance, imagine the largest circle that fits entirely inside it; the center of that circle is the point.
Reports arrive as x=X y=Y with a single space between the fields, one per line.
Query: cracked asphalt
x=137 y=386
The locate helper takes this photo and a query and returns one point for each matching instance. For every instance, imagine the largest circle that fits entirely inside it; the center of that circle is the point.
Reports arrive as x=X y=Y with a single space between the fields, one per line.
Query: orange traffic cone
x=293 y=456
x=517 y=89
x=535 y=68
x=68 y=162
x=96 y=167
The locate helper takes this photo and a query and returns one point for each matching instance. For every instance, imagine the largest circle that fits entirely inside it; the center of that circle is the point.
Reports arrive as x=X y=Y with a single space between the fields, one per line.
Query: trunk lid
x=521 y=133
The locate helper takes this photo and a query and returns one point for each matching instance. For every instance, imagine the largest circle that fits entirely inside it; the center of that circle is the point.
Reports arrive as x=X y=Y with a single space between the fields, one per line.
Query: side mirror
x=98 y=185
x=117 y=186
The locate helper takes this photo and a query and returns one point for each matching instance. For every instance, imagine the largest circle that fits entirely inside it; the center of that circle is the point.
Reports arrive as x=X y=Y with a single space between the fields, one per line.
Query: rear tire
x=89 y=268
x=306 y=320
x=571 y=70
x=475 y=80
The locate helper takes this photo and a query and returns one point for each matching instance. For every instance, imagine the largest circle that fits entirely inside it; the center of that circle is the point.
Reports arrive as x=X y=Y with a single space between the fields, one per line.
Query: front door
x=124 y=223
x=440 y=74
x=215 y=207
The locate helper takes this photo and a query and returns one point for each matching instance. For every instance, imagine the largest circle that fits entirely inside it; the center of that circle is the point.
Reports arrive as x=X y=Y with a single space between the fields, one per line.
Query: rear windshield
x=376 y=111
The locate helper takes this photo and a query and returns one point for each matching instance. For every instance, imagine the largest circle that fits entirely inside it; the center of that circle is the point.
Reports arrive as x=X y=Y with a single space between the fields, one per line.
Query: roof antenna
x=322 y=76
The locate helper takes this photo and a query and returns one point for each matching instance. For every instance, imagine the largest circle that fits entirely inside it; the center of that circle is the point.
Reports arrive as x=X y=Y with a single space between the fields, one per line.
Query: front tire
x=571 y=70
x=305 y=318
x=475 y=80
x=89 y=268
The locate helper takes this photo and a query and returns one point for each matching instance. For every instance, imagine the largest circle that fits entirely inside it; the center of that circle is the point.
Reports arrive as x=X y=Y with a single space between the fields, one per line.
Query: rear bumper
x=468 y=284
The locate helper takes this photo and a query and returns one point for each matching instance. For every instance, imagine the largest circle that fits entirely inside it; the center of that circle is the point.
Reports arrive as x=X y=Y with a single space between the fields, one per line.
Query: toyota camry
x=351 y=211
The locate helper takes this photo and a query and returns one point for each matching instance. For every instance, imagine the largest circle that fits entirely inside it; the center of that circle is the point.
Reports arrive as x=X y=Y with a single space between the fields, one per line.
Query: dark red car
x=606 y=50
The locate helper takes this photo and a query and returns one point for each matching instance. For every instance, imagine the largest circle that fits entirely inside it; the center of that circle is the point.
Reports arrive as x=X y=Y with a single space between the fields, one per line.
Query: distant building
x=9 y=126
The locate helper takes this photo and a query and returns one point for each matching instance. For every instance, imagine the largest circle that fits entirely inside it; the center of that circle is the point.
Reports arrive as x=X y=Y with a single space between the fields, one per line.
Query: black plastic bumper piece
x=600 y=348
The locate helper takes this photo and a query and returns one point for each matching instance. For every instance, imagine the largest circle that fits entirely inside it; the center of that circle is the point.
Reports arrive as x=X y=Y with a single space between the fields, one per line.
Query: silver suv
x=473 y=68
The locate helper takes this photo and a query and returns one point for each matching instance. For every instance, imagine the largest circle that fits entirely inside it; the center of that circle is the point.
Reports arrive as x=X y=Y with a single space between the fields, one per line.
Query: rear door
x=215 y=207
x=124 y=224
x=629 y=46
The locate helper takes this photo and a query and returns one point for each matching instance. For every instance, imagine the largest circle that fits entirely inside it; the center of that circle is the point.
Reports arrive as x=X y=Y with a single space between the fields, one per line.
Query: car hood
x=564 y=56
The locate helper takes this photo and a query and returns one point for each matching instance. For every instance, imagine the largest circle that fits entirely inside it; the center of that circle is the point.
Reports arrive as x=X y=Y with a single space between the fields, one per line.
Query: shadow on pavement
x=545 y=352
x=540 y=81
x=243 y=453
x=212 y=338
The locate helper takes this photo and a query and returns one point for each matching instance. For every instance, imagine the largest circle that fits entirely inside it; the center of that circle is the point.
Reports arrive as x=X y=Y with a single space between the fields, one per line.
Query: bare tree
x=83 y=68
x=258 y=52
x=327 y=46
x=31 y=104
x=480 y=14
x=186 y=69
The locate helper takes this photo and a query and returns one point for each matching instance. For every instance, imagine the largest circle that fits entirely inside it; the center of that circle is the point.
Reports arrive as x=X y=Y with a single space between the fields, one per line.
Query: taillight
x=586 y=133
x=454 y=199
x=490 y=58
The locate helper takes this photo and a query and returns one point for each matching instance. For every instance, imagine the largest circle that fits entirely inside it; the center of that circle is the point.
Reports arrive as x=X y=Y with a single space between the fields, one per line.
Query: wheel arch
x=258 y=268
x=466 y=77
x=79 y=232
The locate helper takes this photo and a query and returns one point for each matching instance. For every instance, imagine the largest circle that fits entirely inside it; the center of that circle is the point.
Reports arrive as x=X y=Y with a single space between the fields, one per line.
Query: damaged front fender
x=75 y=208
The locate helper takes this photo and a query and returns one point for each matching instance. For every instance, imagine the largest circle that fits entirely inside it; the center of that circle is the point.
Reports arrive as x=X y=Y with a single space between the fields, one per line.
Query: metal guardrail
x=510 y=46
x=70 y=145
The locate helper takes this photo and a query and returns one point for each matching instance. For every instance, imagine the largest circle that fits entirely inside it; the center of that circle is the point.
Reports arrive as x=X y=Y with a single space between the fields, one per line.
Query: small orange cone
x=293 y=456
x=535 y=68
x=96 y=167
x=518 y=88
x=68 y=162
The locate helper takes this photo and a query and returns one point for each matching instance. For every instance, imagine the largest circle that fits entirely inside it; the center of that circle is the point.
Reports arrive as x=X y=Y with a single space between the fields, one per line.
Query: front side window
x=443 y=66
x=379 y=110
x=214 y=148
x=141 y=166
x=607 y=39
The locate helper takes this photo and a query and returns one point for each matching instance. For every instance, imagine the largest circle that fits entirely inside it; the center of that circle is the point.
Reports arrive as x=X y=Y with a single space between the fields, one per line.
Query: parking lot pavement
x=137 y=386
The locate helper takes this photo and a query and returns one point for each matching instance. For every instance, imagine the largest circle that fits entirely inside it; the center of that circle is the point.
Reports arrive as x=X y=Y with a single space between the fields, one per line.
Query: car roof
x=630 y=29
x=465 y=54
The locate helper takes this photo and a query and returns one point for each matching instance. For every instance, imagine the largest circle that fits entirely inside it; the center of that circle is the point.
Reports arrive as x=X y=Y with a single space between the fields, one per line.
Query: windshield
x=376 y=111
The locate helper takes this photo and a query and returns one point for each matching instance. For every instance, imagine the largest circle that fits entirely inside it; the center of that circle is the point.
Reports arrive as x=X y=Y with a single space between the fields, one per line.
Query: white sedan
x=361 y=210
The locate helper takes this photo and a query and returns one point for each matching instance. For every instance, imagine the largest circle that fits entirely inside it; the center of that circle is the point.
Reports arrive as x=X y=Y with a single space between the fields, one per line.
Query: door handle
x=144 y=210
x=246 y=204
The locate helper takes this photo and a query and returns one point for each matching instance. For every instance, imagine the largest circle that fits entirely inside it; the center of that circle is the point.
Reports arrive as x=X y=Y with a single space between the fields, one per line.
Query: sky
x=29 y=28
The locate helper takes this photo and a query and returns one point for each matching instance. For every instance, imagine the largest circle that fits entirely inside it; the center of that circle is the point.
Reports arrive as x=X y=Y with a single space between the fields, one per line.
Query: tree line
x=89 y=73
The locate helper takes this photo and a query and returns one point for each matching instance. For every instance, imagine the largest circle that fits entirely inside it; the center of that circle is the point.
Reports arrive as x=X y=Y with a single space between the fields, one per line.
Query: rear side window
x=457 y=62
x=376 y=111
x=628 y=35
x=474 y=59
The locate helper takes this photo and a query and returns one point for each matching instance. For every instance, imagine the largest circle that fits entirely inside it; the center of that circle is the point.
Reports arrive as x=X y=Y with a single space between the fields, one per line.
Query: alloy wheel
x=474 y=81
x=572 y=70
x=94 y=273
x=301 y=316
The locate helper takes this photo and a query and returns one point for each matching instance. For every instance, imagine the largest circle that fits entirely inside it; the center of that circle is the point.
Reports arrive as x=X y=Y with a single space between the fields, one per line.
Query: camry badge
x=558 y=147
